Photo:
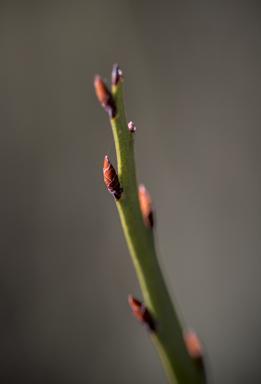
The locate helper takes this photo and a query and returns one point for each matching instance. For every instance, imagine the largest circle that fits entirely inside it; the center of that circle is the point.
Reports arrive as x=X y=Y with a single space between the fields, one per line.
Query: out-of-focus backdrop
x=192 y=87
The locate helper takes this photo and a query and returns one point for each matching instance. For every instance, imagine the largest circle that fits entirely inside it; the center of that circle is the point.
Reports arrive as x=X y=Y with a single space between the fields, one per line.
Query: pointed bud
x=111 y=179
x=194 y=348
x=116 y=75
x=105 y=97
x=146 y=206
x=142 y=314
x=132 y=127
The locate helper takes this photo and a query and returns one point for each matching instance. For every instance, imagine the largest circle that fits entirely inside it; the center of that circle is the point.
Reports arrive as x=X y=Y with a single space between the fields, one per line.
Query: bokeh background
x=192 y=87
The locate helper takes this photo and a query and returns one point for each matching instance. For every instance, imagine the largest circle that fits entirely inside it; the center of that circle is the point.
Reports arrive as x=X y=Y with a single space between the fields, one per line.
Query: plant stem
x=168 y=339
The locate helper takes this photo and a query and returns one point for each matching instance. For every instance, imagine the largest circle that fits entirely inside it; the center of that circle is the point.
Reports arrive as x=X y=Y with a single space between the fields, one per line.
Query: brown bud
x=142 y=314
x=116 y=75
x=194 y=348
x=105 y=97
x=146 y=206
x=132 y=127
x=111 y=179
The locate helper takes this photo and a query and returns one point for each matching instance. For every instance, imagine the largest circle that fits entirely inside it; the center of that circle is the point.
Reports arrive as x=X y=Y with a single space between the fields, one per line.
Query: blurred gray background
x=192 y=87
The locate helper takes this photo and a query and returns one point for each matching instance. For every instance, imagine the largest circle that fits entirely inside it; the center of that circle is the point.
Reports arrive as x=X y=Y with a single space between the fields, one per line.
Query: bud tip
x=116 y=75
x=132 y=127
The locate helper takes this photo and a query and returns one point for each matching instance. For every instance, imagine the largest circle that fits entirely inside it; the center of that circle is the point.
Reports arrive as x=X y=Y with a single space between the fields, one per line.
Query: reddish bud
x=116 y=75
x=194 y=348
x=105 y=97
x=111 y=179
x=132 y=127
x=146 y=206
x=142 y=314
x=193 y=344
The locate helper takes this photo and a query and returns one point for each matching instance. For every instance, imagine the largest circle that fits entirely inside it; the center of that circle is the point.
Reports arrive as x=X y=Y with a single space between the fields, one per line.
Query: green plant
x=182 y=365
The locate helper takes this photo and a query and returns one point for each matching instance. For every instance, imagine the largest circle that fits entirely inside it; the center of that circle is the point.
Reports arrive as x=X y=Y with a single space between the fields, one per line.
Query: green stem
x=168 y=340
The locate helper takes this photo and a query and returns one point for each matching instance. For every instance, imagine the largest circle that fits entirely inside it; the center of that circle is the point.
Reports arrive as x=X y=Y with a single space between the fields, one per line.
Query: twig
x=137 y=226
